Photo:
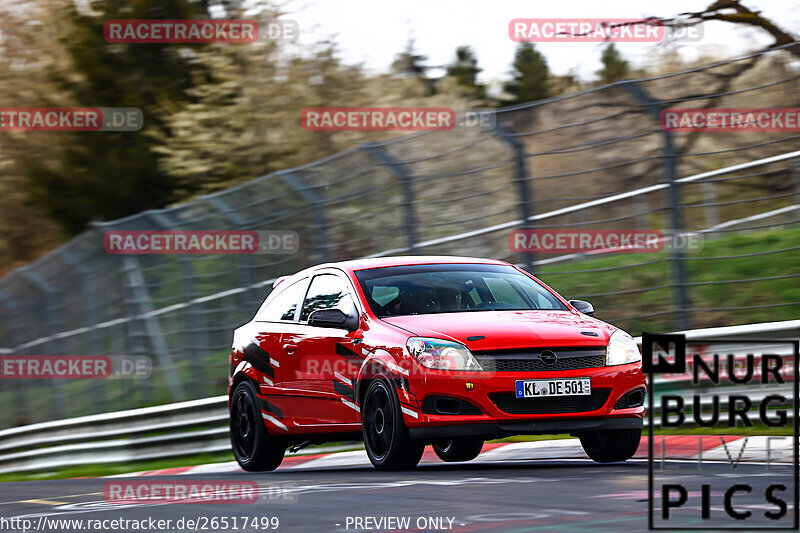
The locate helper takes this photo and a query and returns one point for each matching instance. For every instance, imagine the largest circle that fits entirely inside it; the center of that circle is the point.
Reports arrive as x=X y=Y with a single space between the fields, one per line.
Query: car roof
x=407 y=260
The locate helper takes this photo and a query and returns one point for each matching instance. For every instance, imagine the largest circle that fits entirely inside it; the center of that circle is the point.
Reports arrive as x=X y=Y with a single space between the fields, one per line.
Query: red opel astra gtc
x=407 y=351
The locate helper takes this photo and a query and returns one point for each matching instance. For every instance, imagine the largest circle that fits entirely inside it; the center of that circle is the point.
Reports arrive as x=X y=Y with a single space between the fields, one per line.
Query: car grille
x=531 y=360
x=509 y=403
x=634 y=398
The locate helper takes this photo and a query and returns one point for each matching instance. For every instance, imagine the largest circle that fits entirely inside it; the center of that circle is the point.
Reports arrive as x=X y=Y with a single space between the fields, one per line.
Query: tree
x=734 y=12
x=464 y=69
x=27 y=55
x=410 y=63
x=109 y=175
x=246 y=122
x=615 y=67
x=530 y=75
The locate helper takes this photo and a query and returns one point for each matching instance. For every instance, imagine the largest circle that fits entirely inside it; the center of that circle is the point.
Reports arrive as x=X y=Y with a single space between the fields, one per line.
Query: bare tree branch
x=721 y=10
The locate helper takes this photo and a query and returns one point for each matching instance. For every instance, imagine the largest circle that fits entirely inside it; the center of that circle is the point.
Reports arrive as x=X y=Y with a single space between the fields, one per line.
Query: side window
x=284 y=305
x=547 y=302
x=327 y=291
x=543 y=299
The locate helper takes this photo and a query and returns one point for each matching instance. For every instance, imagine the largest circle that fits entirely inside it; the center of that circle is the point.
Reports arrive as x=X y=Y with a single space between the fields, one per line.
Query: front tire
x=611 y=446
x=458 y=450
x=254 y=449
x=385 y=434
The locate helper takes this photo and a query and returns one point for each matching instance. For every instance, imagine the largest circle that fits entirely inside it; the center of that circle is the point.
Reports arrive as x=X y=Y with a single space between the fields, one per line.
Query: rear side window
x=327 y=291
x=284 y=305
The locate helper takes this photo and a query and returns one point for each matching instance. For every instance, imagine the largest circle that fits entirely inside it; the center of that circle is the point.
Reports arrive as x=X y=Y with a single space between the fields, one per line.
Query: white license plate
x=539 y=388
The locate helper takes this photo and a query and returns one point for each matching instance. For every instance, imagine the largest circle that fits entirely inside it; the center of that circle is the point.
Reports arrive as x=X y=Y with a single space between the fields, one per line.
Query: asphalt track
x=539 y=495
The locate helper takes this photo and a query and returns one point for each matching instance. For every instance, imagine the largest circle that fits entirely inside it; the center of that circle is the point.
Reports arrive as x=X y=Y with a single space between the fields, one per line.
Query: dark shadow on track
x=528 y=466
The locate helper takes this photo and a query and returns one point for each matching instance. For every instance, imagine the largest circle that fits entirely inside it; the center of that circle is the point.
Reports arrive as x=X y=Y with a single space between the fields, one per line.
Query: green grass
x=629 y=310
x=99 y=470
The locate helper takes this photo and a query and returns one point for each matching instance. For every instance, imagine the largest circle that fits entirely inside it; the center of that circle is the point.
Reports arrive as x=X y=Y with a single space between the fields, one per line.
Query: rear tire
x=611 y=446
x=386 y=438
x=253 y=447
x=458 y=450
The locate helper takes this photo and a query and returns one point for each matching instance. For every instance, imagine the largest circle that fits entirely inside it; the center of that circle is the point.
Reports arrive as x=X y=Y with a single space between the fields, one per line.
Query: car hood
x=508 y=329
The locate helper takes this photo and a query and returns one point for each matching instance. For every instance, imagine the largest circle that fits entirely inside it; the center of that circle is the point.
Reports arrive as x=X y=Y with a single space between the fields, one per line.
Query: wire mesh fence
x=595 y=159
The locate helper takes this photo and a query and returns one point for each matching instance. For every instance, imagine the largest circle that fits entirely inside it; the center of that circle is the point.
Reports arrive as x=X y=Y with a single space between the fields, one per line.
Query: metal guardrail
x=179 y=429
x=200 y=426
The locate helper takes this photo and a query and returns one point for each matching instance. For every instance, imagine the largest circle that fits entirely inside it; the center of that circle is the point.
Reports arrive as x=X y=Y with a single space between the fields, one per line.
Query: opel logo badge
x=548 y=357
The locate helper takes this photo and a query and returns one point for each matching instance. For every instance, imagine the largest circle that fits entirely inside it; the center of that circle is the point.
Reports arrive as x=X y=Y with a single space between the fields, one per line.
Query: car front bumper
x=500 y=413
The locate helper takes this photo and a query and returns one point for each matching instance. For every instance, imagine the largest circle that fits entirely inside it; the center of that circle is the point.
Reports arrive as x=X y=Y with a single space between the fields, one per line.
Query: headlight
x=622 y=349
x=441 y=354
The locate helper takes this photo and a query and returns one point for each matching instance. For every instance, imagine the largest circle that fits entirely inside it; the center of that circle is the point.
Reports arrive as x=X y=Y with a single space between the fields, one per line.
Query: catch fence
x=595 y=159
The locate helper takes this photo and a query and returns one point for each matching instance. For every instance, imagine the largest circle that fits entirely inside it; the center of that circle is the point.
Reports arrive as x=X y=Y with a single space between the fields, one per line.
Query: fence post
x=710 y=199
x=246 y=259
x=520 y=178
x=195 y=322
x=399 y=170
x=317 y=211
x=49 y=312
x=144 y=308
x=680 y=297
x=20 y=391
x=90 y=319
x=641 y=212
x=796 y=179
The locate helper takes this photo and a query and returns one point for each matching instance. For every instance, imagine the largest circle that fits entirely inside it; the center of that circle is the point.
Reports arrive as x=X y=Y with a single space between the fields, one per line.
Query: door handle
x=290 y=348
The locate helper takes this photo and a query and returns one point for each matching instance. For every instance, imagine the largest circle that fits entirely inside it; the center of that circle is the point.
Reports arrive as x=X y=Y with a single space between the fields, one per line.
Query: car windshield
x=452 y=288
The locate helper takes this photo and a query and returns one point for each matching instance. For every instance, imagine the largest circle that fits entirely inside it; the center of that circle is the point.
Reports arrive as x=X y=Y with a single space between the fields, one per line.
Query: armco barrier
x=179 y=429
x=200 y=426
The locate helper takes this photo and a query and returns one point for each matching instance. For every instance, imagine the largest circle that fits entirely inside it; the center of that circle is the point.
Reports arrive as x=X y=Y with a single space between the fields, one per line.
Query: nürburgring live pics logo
x=699 y=382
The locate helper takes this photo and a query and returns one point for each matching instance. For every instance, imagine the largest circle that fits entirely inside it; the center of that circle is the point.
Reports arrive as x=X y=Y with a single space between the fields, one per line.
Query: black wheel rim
x=444 y=445
x=243 y=426
x=379 y=422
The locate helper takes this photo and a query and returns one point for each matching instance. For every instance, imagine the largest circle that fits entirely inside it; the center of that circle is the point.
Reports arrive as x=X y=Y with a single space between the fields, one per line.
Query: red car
x=407 y=351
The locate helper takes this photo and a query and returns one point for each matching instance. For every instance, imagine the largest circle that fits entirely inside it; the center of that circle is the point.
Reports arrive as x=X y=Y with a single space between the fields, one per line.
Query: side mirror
x=584 y=307
x=333 y=318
